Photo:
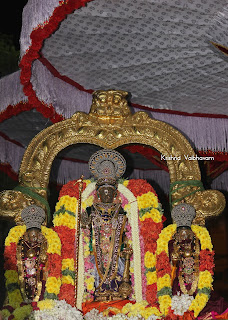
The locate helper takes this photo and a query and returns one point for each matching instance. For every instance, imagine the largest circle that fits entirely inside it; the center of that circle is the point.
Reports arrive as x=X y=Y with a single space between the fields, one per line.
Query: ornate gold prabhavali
x=111 y=124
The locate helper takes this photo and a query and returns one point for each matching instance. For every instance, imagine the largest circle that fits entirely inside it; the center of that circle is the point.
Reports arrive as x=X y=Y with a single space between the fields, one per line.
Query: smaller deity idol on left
x=32 y=255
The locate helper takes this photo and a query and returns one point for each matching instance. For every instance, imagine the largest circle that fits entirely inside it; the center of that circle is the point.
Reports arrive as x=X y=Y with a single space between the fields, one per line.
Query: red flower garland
x=10 y=257
x=139 y=187
x=207 y=261
x=150 y=231
x=71 y=189
x=67 y=238
x=38 y=35
x=163 y=266
x=151 y=294
x=188 y=315
x=67 y=292
x=54 y=265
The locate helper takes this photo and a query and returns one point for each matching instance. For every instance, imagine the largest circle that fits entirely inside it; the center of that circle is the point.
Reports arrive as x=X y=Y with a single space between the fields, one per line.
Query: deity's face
x=33 y=235
x=106 y=193
x=185 y=234
x=30 y=263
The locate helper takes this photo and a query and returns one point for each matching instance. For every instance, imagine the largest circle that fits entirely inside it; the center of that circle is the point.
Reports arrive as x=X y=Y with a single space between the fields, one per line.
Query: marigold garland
x=163 y=269
x=64 y=225
x=38 y=35
x=150 y=218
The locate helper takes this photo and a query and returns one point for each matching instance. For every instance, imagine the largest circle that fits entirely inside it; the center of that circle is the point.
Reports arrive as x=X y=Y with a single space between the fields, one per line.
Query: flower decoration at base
x=56 y=310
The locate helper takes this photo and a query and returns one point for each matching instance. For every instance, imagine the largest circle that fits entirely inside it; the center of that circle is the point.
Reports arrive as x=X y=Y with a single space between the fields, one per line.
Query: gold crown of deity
x=33 y=216
x=107 y=166
x=183 y=215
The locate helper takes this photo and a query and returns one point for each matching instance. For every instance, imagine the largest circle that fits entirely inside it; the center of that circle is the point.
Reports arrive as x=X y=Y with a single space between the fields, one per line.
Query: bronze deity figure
x=32 y=255
x=184 y=251
x=106 y=220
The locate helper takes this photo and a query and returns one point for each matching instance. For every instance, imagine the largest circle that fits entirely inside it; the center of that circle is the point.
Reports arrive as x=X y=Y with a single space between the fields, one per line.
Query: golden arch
x=111 y=125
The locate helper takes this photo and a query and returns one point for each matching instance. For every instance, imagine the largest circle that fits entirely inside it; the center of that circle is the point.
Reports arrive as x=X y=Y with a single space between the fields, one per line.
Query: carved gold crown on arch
x=110 y=124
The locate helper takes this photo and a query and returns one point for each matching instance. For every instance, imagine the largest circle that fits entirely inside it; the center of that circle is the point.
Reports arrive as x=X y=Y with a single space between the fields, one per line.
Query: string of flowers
x=129 y=202
x=17 y=309
x=53 y=283
x=150 y=217
x=163 y=268
x=64 y=225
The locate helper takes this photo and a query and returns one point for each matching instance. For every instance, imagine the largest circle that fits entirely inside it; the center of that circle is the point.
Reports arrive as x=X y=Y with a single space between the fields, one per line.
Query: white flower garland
x=181 y=303
x=81 y=268
x=133 y=220
x=60 y=311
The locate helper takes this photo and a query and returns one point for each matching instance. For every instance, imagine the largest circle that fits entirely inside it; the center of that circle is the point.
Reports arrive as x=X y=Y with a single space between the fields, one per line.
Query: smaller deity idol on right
x=184 y=250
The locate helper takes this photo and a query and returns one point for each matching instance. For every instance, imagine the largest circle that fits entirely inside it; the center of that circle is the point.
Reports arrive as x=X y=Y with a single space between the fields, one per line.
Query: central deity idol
x=106 y=221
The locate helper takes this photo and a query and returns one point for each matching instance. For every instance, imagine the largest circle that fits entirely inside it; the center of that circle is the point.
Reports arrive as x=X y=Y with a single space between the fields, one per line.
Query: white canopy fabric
x=159 y=51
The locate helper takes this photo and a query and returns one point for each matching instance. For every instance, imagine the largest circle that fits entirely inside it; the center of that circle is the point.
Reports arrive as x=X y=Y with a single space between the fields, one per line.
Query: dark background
x=10 y=28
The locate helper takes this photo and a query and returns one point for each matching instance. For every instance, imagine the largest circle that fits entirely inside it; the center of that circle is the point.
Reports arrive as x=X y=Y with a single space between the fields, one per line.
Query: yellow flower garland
x=149 y=260
x=54 y=243
x=15 y=234
x=153 y=214
x=204 y=236
x=205 y=277
x=147 y=200
x=164 y=237
x=53 y=285
x=140 y=308
x=65 y=215
x=162 y=245
x=70 y=203
x=11 y=276
x=68 y=264
x=45 y=304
